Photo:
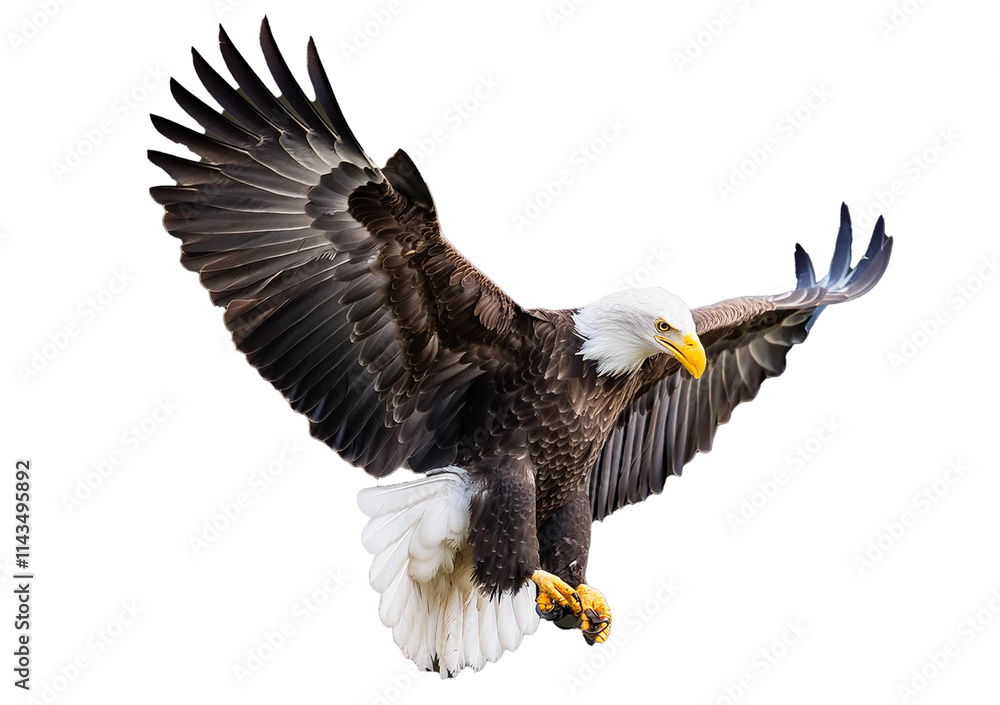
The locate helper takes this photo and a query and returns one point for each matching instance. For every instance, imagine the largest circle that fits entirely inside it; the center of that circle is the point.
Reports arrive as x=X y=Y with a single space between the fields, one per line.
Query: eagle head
x=623 y=329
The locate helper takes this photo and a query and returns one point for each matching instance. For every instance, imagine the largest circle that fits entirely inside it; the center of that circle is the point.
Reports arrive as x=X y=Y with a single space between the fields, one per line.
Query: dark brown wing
x=336 y=280
x=746 y=341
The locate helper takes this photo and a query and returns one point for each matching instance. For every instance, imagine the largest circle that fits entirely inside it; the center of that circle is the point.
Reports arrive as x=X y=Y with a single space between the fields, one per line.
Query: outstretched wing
x=336 y=280
x=746 y=341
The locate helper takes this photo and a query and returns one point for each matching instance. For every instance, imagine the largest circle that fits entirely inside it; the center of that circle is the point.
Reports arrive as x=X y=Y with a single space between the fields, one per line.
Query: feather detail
x=422 y=569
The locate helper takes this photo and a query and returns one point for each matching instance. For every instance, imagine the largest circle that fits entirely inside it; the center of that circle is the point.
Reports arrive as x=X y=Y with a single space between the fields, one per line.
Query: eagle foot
x=584 y=608
x=556 y=599
x=595 y=615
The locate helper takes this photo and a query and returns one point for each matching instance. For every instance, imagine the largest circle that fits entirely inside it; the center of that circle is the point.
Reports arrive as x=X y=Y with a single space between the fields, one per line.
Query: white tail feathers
x=423 y=572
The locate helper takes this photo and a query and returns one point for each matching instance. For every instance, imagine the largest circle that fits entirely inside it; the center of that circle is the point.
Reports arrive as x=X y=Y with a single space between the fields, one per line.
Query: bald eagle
x=527 y=424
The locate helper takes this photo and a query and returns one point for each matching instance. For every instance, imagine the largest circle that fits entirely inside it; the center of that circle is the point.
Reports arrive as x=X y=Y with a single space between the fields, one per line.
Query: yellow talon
x=556 y=598
x=595 y=615
x=553 y=592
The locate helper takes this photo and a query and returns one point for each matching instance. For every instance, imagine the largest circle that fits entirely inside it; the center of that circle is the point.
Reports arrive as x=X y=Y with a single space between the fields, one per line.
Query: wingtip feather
x=804 y=271
x=840 y=263
x=266 y=35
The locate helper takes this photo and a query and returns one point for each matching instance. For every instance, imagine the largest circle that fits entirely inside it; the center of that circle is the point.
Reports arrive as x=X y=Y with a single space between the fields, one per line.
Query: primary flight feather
x=528 y=424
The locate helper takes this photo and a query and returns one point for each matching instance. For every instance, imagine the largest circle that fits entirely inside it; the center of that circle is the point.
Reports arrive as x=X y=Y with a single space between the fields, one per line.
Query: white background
x=647 y=208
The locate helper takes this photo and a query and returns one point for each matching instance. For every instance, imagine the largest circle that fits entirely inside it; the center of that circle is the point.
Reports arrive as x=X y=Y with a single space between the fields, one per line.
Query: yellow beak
x=691 y=355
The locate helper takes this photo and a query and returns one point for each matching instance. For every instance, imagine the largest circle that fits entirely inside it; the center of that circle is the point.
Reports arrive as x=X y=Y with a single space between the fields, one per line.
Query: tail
x=422 y=569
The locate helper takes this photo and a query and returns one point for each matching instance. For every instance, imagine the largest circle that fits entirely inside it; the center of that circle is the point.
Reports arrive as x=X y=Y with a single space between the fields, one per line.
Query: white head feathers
x=618 y=330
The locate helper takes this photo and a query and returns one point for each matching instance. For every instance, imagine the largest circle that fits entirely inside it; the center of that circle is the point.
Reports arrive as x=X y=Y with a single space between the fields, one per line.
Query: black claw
x=553 y=615
x=595 y=625
x=576 y=599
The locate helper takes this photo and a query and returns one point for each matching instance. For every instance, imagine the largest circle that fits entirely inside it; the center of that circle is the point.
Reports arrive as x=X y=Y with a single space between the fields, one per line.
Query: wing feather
x=336 y=280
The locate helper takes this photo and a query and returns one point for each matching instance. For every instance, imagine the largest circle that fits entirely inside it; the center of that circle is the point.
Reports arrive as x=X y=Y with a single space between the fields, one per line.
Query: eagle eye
x=662 y=326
